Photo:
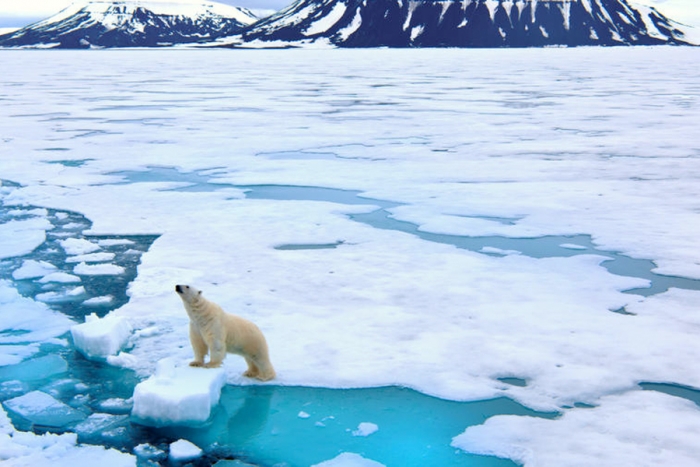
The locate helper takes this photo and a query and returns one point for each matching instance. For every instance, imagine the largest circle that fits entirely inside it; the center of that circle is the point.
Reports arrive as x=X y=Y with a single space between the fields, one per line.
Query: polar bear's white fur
x=216 y=332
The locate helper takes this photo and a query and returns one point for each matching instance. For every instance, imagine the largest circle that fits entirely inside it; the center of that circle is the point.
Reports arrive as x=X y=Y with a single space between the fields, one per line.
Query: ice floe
x=101 y=337
x=178 y=395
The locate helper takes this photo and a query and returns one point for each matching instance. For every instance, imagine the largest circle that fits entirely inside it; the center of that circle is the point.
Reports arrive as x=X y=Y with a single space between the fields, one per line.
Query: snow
x=99 y=338
x=591 y=141
x=327 y=21
x=178 y=395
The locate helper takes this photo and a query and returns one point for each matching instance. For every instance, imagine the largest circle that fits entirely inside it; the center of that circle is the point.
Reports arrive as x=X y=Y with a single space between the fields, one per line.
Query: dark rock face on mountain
x=131 y=23
x=466 y=23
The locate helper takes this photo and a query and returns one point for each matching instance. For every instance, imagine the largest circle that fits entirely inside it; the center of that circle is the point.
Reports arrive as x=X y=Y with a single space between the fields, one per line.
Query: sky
x=17 y=13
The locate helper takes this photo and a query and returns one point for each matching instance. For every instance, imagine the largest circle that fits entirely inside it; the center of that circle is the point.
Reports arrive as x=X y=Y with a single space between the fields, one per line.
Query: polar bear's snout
x=178 y=288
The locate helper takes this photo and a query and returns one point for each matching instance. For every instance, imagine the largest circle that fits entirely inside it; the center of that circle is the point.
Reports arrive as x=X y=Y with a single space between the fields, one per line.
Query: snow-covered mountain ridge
x=467 y=23
x=132 y=23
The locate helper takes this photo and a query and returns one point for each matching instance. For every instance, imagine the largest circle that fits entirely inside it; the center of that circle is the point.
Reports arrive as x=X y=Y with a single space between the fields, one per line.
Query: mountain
x=131 y=23
x=464 y=23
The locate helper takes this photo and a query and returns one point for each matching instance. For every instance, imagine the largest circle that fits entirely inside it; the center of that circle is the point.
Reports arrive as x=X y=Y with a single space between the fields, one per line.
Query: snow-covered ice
x=503 y=144
x=178 y=395
x=101 y=337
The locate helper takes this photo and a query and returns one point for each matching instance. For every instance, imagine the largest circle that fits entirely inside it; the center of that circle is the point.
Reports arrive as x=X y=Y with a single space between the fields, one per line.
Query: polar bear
x=216 y=332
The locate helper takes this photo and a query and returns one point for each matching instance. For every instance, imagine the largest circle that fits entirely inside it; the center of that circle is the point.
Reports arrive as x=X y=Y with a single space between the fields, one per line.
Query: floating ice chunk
x=40 y=409
x=573 y=246
x=78 y=246
x=122 y=359
x=365 y=429
x=32 y=269
x=303 y=414
x=149 y=452
x=10 y=389
x=98 y=301
x=22 y=449
x=91 y=258
x=116 y=405
x=99 y=426
x=183 y=450
x=13 y=354
x=34 y=369
x=114 y=242
x=85 y=269
x=59 y=297
x=499 y=251
x=177 y=395
x=21 y=237
x=349 y=459
x=25 y=320
x=61 y=277
x=100 y=338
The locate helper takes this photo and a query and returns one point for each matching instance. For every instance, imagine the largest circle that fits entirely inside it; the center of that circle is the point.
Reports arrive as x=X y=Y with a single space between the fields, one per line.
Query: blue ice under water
x=260 y=425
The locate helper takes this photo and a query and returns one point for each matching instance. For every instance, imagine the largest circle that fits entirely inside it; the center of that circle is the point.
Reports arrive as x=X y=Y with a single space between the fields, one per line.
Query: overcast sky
x=16 y=13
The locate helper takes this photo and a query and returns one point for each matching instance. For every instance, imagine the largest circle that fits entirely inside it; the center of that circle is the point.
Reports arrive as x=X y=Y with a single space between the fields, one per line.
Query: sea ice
x=183 y=450
x=21 y=237
x=27 y=321
x=633 y=429
x=78 y=246
x=99 y=301
x=349 y=459
x=22 y=449
x=41 y=409
x=32 y=269
x=178 y=395
x=91 y=258
x=365 y=429
x=101 y=337
x=99 y=426
x=85 y=269
x=60 y=277
x=34 y=369
x=68 y=295
x=603 y=143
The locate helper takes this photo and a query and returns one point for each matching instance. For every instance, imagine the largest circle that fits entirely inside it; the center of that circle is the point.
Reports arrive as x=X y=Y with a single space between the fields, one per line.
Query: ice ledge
x=177 y=395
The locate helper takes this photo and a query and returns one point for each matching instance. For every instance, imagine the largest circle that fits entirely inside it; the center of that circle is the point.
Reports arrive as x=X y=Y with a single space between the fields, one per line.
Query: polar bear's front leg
x=198 y=346
x=217 y=352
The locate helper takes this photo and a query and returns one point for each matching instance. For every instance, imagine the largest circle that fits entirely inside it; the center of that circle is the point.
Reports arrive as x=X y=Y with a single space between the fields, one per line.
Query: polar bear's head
x=187 y=293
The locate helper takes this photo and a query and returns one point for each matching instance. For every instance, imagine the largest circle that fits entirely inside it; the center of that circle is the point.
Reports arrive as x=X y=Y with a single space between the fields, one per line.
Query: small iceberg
x=177 y=395
x=100 y=338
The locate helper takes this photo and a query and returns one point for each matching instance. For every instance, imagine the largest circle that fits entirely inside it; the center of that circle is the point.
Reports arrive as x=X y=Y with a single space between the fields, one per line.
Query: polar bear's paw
x=196 y=363
x=212 y=365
